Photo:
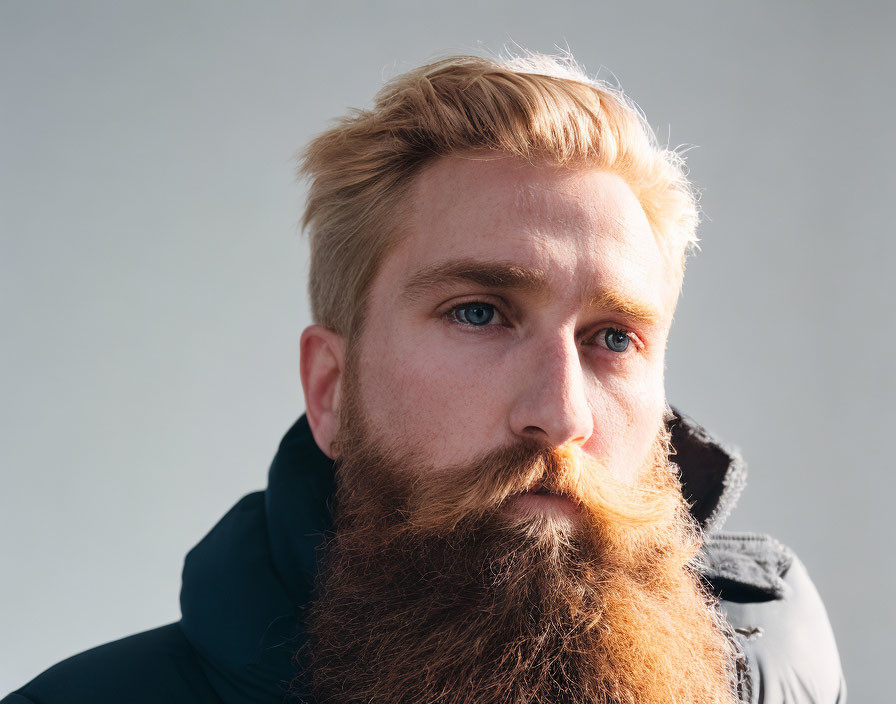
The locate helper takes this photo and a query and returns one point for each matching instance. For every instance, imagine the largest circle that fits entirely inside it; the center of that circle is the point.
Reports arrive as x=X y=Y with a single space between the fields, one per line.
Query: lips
x=540 y=497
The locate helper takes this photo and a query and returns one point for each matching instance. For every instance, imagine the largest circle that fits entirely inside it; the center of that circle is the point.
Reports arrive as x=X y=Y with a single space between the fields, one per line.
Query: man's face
x=522 y=302
x=513 y=344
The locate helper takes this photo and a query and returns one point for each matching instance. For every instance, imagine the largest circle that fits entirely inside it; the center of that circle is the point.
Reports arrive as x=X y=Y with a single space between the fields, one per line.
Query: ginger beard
x=442 y=584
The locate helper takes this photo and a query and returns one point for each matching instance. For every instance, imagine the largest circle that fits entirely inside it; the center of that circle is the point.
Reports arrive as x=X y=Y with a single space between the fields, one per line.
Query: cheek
x=427 y=390
x=628 y=414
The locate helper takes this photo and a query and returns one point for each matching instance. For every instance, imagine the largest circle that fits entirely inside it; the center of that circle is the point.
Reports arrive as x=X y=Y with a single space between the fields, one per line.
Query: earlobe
x=322 y=358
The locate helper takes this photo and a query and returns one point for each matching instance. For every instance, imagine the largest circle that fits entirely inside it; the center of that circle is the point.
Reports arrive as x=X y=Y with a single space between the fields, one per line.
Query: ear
x=321 y=362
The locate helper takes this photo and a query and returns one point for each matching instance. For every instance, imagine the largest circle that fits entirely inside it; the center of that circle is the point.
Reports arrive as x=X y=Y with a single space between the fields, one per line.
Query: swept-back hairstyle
x=536 y=107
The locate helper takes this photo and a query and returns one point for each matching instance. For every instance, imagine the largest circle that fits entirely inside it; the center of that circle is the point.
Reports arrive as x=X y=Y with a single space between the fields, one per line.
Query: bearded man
x=489 y=499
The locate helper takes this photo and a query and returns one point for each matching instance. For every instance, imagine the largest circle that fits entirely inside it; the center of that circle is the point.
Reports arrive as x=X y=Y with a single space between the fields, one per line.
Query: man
x=489 y=499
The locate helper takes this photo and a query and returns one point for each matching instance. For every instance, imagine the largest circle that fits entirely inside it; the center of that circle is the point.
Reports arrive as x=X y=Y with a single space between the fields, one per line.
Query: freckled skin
x=454 y=392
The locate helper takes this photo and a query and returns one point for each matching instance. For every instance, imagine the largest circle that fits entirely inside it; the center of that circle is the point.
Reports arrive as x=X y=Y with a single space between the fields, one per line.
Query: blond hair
x=534 y=107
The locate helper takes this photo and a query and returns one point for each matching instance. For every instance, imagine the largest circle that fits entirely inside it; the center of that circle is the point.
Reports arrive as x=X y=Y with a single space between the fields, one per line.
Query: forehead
x=579 y=227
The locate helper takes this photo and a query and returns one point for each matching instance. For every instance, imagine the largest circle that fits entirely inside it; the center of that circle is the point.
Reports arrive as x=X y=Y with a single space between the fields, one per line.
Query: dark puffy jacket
x=245 y=584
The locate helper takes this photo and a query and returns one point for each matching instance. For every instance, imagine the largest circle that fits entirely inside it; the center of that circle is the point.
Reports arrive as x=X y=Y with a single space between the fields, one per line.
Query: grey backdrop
x=152 y=280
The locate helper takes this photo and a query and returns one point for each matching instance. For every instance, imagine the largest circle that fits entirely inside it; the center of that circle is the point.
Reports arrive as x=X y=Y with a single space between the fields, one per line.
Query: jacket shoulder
x=153 y=666
x=780 y=621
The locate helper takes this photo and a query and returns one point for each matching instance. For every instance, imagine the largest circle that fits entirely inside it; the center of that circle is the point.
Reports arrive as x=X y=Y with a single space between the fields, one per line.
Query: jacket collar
x=713 y=473
x=246 y=583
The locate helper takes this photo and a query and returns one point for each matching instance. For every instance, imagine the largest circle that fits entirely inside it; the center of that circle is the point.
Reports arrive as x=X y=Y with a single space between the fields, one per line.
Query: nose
x=551 y=403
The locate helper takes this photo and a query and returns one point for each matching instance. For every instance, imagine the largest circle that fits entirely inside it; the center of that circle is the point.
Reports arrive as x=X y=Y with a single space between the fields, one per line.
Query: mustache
x=441 y=500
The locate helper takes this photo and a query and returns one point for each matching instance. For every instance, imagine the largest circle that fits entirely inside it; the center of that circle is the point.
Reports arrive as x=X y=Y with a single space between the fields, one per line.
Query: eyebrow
x=610 y=299
x=512 y=277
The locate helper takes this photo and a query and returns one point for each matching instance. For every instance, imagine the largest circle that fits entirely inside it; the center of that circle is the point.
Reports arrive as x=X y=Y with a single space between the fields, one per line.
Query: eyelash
x=451 y=313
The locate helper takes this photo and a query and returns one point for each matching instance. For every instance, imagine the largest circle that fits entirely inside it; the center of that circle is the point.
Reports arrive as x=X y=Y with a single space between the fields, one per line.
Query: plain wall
x=152 y=277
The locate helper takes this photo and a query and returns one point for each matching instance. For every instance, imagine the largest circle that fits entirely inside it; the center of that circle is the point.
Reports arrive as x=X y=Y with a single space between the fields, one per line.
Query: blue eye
x=617 y=340
x=477 y=314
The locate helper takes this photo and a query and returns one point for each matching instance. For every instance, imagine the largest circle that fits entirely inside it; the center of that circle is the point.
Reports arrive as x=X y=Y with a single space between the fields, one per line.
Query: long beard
x=431 y=591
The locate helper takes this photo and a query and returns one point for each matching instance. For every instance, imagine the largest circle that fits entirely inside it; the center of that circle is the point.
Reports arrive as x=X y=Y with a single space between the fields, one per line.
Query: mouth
x=544 y=500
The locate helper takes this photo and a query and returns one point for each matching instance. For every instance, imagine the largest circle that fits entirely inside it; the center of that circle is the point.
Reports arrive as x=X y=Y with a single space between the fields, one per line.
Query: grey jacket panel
x=779 y=620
